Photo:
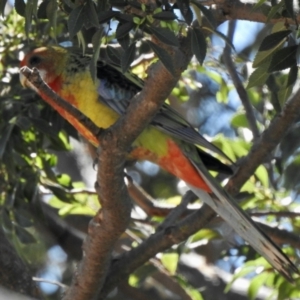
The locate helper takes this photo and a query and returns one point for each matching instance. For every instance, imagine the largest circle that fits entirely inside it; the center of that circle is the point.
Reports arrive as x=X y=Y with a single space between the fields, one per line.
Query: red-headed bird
x=169 y=141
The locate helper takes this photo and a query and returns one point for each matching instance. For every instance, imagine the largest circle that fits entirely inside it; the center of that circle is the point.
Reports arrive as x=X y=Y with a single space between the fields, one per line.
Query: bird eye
x=34 y=60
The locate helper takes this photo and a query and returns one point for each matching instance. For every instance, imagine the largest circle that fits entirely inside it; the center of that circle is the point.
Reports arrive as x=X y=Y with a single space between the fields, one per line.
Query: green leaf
x=128 y=57
x=43 y=126
x=42 y=10
x=113 y=54
x=239 y=120
x=207 y=234
x=258 y=4
x=23 y=218
x=289 y=5
x=262 y=175
x=276 y=9
x=51 y=12
x=64 y=180
x=165 y=16
x=256 y=283
x=258 y=77
x=198 y=44
x=290 y=142
x=293 y=74
x=165 y=35
x=6 y=221
x=284 y=94
x=123 y=29
x=20 y=7
x=124 y=42
x=163 y=56
x=24 y=236
x=170 y=261
x=261 y=56
x=283 y=59
x=75 y=209
x=30 y=9
x=207 y=13
x=124 y=18
x=118 y=3
x=273 y=40
x=184 y=6
x=292 y=175
x=105 y=16
x=96 y=41
x=76 y=20
x=6 y=133
x=91 y=14
x=56 y=202
x=2 y=6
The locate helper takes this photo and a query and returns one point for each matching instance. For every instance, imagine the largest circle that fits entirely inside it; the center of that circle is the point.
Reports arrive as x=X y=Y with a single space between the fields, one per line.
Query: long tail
x=224 y=205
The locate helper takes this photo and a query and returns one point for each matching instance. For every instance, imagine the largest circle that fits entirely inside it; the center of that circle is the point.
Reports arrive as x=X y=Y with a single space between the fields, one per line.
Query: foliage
x=32 y=134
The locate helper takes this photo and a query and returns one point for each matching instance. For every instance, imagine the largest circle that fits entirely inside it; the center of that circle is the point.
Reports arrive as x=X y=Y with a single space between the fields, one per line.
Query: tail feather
x=224 y=205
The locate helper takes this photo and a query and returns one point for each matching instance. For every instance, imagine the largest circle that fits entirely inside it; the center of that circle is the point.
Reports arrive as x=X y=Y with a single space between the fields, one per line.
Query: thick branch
x=244 y=10
x=112 y=220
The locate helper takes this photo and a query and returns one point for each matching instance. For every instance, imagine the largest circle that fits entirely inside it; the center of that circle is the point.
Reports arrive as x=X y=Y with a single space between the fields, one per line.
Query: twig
x=238 y=83
x=278 y=214
x=177 y=212
x=145 y=201
x=281 y=236
x=54 y=282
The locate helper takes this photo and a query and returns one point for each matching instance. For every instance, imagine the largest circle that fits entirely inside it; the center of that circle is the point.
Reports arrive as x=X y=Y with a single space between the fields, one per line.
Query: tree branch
x=238 y=83
x=162 y=240
x=244 y=10
x=109 y=223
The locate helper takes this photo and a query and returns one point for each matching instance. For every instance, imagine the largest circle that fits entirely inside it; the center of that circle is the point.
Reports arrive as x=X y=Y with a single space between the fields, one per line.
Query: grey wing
x=116 y=90
x=171 y=122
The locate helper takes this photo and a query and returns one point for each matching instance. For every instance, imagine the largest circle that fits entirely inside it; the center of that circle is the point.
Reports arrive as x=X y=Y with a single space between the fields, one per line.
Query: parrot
x=168 y=141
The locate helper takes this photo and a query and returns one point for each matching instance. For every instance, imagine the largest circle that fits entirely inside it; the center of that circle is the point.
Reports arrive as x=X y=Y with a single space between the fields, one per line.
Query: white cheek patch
x=43 y=74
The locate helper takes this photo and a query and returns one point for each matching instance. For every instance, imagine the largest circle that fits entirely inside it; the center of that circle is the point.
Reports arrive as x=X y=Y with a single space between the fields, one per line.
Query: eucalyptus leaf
x=165 y=35
x=20 y=7
x=128 y=57
x=273 y=40
x=2 y=6
x=163 y=56
x=184 y=6
x=105 y=16
x=283 y=59
x=91 y=14
x=289 y=5
x=207 y=13
x=257 y=78
x=199 y=45
x=24 y=236
x=76 y=20
x=165 y=16
x=123 y=29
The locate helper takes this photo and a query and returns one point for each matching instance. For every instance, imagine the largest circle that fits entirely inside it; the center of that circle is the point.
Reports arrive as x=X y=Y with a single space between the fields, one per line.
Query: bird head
x=49 y=61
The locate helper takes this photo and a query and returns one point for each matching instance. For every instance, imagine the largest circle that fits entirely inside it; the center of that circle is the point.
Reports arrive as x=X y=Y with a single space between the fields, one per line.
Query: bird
x=168 y=141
